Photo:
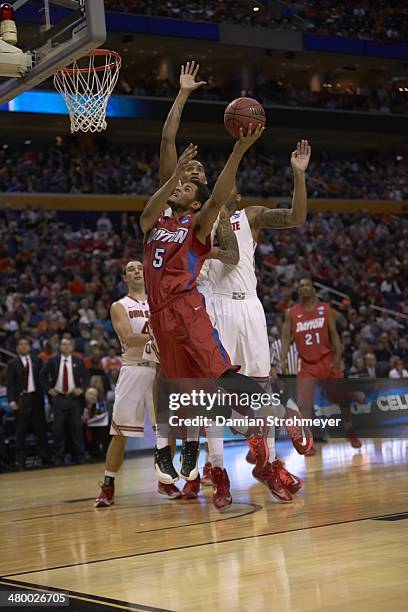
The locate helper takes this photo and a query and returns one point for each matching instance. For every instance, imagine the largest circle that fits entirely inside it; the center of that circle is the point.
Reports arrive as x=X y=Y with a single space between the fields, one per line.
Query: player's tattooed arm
x=286 y=341
x=227 y=250
x=168 y=151
x=261 y=216
x=123 y=329
x=158 y=201
x=335 y=339
x=223 y=187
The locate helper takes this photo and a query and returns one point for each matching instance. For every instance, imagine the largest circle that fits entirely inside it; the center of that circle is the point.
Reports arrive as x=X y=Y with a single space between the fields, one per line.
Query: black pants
x=67 y=411
x=31 y=411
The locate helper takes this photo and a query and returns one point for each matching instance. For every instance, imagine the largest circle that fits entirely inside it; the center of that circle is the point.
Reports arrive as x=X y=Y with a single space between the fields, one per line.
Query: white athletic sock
x=271 y=444
x=161 y=441
x=215 y=443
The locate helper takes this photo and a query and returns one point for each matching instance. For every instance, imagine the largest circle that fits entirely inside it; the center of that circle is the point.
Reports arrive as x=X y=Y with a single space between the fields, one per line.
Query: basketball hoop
x=87 y=86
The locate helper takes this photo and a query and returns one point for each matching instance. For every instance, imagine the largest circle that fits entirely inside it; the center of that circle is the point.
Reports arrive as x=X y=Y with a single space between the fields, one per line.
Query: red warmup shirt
x=173 y=257
x=310 y=329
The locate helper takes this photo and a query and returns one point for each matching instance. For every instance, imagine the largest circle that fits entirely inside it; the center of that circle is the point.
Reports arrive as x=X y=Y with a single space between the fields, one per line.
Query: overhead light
x=253 y=5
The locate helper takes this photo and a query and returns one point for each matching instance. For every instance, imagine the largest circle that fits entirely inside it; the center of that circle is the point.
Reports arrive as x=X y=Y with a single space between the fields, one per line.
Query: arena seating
x=381 y=20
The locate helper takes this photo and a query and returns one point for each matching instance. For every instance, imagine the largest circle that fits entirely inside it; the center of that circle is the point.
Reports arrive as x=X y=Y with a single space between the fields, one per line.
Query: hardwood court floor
x=328 y=550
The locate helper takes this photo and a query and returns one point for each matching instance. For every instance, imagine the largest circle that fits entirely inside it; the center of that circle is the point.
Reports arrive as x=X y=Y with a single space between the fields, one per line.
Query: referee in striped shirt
x=276 y=349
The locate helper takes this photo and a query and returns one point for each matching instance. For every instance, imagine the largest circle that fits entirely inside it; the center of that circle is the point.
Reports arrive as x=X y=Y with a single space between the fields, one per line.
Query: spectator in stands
x=65 y=379
x=399 y=371
x=111 y=361
x=371 y=365
x=387 y=324
x=381 y=352
x=26 y=398
x=359 y=369
x=402 y=350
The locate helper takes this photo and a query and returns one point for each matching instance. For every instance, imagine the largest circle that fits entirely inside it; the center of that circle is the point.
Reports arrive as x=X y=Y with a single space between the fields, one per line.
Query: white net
x=87 y=90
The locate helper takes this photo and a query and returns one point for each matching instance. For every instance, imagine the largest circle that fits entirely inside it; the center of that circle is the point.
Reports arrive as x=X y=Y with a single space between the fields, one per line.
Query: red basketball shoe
x=192 y=488
x=206 y=477
x=291 y=482
x=258 y=445
x=221 y=497
x=269 y=476
x=311 y=452
x=106 y=496
x=169 y=490
x=353 y=439
x=302 y=438
x=250 y=457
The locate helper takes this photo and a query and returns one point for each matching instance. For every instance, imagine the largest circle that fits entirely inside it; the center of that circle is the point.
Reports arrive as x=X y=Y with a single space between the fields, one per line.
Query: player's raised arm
x=261 y=216
x=286 y=340
x=227 y=250
x=335 y=338
x=158 y=201
x=123 y=329
x=225 y=183
x=168 y=151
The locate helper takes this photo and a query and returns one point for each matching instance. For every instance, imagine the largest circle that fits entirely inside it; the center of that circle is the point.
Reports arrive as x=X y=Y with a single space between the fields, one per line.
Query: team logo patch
x=185 y=220
x=236 y=215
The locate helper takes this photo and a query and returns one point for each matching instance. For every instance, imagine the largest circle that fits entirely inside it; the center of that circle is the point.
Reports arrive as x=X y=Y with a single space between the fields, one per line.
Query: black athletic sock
x=109 y=481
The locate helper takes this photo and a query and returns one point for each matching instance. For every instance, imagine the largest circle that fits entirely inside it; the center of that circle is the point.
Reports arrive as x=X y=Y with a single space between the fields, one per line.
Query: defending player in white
x=133 y=393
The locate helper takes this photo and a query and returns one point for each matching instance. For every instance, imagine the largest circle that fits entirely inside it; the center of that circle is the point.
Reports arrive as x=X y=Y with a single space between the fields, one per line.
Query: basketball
x=240 y=113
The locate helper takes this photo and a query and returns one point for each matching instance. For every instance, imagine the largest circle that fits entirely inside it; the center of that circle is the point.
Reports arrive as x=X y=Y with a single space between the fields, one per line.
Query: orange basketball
x=240 y=113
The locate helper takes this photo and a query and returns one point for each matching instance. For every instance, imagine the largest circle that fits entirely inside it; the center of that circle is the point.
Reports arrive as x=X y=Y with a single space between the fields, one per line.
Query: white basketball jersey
x=202 y=278
x=226 y=278
x=138 y=314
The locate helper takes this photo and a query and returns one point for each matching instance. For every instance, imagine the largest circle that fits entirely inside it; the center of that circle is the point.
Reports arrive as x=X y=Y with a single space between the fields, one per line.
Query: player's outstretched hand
x=252 y=135
x=184 y=159
x=301 y=157
x=188 y=77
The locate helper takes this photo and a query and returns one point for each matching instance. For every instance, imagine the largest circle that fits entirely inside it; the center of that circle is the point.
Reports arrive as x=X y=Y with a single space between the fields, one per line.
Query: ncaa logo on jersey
x=236 y=215
x=185 y=220
x=320 y=310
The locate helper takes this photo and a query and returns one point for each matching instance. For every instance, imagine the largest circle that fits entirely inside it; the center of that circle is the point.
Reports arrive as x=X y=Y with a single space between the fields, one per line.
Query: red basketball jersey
x=310 y=329
x=173 y=257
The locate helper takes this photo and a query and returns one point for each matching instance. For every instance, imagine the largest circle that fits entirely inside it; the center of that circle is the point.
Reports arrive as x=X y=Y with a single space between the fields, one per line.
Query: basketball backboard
x=56 y=33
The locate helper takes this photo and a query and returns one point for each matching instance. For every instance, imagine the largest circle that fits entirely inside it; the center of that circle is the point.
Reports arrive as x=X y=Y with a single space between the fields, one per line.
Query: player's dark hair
x=202 y=193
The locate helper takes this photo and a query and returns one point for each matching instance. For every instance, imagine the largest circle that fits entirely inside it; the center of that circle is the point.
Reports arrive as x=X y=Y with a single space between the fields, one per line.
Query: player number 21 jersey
x=310 y=329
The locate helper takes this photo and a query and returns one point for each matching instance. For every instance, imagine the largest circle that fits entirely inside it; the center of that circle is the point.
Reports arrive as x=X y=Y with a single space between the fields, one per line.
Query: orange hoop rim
x=94 y=52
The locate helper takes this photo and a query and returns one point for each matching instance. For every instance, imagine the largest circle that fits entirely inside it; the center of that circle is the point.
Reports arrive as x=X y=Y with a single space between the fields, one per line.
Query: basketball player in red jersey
x=312 y=325
x=226 y=251
x=175 y=249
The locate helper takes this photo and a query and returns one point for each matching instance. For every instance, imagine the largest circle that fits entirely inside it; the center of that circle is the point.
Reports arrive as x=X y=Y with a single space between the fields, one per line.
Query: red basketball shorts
x=189 y=345
x=324 y=373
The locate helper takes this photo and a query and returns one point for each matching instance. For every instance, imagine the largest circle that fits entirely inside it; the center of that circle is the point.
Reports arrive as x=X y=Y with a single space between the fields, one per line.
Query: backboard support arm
x=91 y=36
